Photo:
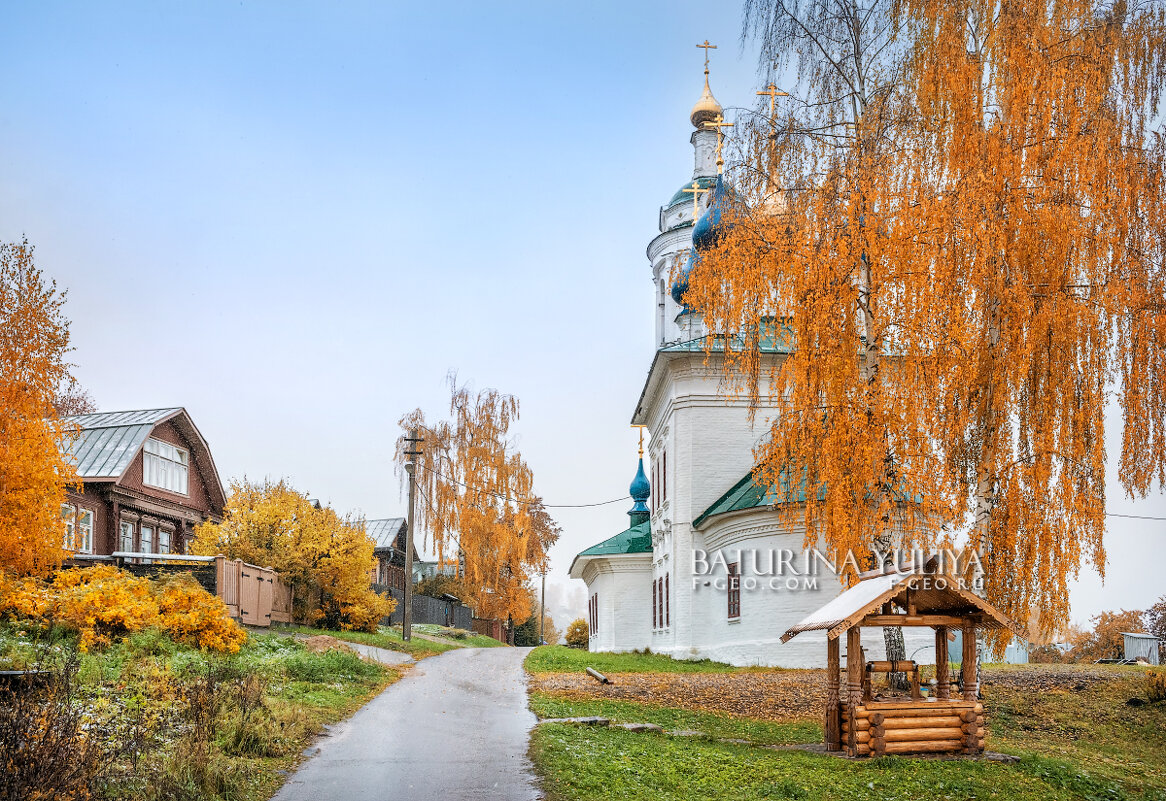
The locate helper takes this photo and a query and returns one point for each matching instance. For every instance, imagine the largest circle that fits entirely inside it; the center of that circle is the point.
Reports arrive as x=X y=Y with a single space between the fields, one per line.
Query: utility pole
x=542 y=609
x=410 y=468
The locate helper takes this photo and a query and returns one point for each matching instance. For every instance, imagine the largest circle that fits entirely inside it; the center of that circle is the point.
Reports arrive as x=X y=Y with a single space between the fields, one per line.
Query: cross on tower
x=719 y=123
x=773 y=93
x=707 y=47
x=696 y=191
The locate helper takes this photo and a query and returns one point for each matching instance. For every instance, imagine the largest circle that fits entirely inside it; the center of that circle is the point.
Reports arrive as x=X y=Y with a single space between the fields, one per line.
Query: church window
x=654 y=607
x=734 y=591
x=664 y=476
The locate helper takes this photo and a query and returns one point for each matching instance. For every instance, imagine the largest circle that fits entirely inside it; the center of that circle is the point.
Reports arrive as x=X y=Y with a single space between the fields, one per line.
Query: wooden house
x=147 y=479
x=389 y=534
x=863 y=721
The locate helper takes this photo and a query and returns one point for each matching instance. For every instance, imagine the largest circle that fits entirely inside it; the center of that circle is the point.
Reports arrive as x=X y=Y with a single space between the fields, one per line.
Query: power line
x=618 y=500
x=500 y=496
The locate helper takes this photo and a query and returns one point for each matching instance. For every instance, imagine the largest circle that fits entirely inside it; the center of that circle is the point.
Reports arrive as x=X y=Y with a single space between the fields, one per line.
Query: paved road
x=456 y=727
x=382 y=655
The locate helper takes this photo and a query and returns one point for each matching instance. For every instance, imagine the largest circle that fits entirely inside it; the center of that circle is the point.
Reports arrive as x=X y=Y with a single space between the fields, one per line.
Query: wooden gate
x=254 y=595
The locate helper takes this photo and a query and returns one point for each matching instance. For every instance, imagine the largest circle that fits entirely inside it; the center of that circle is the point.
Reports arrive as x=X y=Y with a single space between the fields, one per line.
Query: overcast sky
x=294 y=219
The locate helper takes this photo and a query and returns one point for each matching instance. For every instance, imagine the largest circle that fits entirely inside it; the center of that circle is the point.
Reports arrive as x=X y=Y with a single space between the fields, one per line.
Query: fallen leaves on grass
x=780 y=695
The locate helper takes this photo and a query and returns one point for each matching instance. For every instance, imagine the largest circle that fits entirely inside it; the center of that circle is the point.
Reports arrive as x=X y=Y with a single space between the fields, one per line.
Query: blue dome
x=707 y=230
x=705 y=233
x=640 y=490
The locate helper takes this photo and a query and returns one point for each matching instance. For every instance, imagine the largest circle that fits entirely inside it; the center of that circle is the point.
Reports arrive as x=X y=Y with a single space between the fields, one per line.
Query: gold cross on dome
x=707 y=47
x=696 y=191
x=720 y=124
x=773 y=93
x=641 y=440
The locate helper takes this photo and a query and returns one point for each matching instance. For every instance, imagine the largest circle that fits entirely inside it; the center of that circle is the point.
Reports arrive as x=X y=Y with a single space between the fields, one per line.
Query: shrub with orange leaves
x=190 y=614
x=101 y=603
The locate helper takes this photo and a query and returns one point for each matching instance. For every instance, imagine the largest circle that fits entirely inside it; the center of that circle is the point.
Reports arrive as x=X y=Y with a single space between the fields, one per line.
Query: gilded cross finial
x=719 y=123
x=707 y=47
x=641 y=441
x=696 y=191
x=773 y=93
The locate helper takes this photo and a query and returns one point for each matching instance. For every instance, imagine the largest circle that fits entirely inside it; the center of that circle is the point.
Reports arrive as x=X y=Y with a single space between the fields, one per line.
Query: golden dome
x=707 y=108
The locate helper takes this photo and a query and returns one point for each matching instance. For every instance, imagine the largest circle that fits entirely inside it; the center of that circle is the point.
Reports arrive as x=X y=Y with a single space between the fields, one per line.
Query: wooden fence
x=254 y=595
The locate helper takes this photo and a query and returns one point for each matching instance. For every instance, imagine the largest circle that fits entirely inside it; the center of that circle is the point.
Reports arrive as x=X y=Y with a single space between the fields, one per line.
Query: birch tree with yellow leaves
x=955 y=222
x=34 y=341
x=476 y=500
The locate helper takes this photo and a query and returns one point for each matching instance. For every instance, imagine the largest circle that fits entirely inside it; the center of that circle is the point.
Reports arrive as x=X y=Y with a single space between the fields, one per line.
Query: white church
x=698 y=572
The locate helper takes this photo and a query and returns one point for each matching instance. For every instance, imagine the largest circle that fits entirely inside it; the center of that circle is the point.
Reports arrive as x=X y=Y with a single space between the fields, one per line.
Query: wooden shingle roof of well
x=931 y=594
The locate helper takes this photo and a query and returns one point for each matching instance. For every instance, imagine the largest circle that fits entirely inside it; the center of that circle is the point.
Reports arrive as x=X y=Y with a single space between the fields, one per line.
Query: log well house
x=861 y=720
x=147 y=478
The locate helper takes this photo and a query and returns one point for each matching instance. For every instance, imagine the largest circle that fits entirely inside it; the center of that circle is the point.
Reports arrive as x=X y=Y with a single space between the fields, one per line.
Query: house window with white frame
x=69 y=514
x=84 y=533
x=126 y=533
x=165 y=466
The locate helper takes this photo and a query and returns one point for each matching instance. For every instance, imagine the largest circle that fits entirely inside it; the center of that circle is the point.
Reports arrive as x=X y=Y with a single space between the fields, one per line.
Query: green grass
x=1085 y=744
x=386 y=637
x=302 y=691
x=714 y=724
x=1092 y=728
x=561 y=659
x=468 y=640
x=596 y=763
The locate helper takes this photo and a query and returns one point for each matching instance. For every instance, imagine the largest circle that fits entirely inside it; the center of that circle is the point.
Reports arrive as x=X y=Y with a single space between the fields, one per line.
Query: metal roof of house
x=106 y=442
x=848 y=609
x=384 y=531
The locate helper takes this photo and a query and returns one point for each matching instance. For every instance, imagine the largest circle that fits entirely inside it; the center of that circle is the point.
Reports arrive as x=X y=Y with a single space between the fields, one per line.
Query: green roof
x=776 y=337
x=748 y=494
x=637 y=539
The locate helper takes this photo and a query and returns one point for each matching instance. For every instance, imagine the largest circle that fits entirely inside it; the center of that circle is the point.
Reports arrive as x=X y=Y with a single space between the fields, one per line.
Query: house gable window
x=165 y=466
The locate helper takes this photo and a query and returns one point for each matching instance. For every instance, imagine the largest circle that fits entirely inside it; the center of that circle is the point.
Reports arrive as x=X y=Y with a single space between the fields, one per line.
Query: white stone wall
x=710 y=443
x=623 y=584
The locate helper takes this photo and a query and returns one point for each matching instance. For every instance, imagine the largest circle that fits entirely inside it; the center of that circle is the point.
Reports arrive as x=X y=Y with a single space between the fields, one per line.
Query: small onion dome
x=707 y=229
x=705 y=233
x=680 y=283
x=707 y=108
x=640 y=491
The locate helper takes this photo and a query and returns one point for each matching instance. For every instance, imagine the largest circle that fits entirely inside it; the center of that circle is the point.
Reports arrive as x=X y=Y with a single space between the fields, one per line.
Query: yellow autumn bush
x=101 y=603
x=190 y=614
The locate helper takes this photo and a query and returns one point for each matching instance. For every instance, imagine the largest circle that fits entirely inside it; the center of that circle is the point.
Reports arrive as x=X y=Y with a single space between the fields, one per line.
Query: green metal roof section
x=748 y=494
x=776 y=337
x=637 y=539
